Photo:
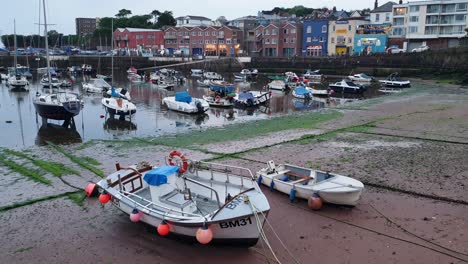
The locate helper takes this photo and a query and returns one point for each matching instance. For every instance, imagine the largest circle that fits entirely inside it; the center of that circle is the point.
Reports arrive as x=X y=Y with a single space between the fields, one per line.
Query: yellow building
x=341 y=35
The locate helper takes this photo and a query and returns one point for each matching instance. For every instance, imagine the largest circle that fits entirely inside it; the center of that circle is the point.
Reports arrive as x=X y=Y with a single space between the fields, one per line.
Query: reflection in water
x=311 y=104
x=57 y=134
x=185 y=120
x=117 y=124
x=227 y=113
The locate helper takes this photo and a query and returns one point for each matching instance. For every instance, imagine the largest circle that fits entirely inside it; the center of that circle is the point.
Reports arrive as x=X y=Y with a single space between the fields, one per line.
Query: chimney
x=400 y=2
x=376 y=4
x=334 y=9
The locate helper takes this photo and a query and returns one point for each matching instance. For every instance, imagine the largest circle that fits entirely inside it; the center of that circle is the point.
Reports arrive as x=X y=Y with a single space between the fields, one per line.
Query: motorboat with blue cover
x=183 y=102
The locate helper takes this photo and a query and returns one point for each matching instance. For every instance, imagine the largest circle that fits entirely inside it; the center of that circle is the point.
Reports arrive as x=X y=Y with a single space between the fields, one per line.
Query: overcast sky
x=63 y=12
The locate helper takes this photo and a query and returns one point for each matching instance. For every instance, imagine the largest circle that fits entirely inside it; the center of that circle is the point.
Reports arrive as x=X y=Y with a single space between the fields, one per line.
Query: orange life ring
x=184 y=166
x=218 y=98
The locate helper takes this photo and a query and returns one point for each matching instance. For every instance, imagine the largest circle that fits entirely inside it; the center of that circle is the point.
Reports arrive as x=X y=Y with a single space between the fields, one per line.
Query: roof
x=387 y=7
x=341 y=13
x=193 y=17
x=138 y=30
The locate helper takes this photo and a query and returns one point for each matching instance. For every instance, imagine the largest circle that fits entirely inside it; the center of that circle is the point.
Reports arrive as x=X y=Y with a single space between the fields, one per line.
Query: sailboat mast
x=47 y=47
x=112 y=50
x=39 y=29
x=16 y=49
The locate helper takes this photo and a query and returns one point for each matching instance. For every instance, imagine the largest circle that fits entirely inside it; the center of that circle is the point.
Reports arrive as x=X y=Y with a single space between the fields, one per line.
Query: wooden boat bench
x=303 y=178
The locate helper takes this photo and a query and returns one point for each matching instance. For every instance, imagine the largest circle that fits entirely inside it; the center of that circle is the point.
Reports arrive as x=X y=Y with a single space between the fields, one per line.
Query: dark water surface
x=21 y=127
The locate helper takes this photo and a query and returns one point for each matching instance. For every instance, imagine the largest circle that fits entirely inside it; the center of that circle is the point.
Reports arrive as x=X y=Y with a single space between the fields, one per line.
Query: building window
x=462 y=6
x=181 y=41
x=187 y=21
x=286 y=31
x=267 y=32
x=309 y=29
x=332 y=40
x=321 y=39
x=324 y=29
x=207 y=41
x=414 y=8
x=207 y=33
x=460 y=18
x=200 y=41
x=234 y=33
x=235 y=41
x=387 y=17
x=267 y=41
x=274 y=41
x=309 y=39
x=180 y=34
x=228 y=41
x=350 y=40
x=315 y=39
x=286 y=40
x=214 y=42
x=293 y=31
x=413 y=29
x=349 y=28
x=333 y=28
x=274 y=31
x=213 y=33
x=293 y=40
x=414 y=18
x=187 y=41
x=194 y=33
x=200 y=33
x=257 y=32
x=187 y=33
x=377 y=17
x=221 y=41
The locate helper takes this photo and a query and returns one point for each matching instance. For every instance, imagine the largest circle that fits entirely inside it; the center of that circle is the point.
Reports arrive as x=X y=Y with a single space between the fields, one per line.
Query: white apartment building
x=438 y=24
x=382 y=14
x=193 y=21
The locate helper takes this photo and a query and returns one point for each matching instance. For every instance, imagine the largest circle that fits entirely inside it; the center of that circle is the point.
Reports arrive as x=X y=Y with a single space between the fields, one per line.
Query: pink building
x=279 y=40
x=133 y=37
x=204 y=40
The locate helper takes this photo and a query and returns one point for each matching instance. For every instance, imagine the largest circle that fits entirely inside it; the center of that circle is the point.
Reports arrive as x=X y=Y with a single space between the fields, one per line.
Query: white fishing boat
x=212 y=76
x=183 y=102
x=190 y=200
x=314 y=77
x=306 y=183
x=119 y=93
x=196 y=72
x=86 y=68
x=3 y=76
x=118 y=106
x=251 y=98
x=319 y=92
x=204 y=83
x=279 y=85
x=394 y=80
x=54 y=82
x=66 y=83
x=96 y=85
x=361 y=77
x=346 y=86
x=221 y=95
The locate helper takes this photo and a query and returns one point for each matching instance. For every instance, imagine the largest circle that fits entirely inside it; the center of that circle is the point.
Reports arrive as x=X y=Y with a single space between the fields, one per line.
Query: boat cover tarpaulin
x=301 y=91
x=158 y=176
x=245 y=95
x=223 y=88
x=183 y=97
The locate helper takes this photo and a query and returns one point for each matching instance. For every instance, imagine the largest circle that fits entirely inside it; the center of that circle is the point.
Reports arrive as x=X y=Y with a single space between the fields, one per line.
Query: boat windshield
x=349 y=83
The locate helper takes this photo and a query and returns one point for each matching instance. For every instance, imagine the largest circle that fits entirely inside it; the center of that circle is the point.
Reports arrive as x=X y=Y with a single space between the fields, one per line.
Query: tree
x=155 y=14
x=166 y=19
x=123 y=13
x=222 y=20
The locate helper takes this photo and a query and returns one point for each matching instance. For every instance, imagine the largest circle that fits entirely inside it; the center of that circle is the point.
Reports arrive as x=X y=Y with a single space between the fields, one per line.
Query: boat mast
x=16 y=49
x=112 y=50
x=47 y=47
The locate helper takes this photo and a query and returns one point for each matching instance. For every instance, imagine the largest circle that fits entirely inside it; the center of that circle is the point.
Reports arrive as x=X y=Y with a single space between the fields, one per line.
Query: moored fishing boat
x=183 y=102
x=221 y=95
x=394 y=80
x=193 y=200
x=347 y=86
x=311 y=184
x=251 y=98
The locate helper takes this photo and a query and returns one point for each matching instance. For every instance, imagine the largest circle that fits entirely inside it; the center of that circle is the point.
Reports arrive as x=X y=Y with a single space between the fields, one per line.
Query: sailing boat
x=56 y=105
x=117 y=104
x=16 y=81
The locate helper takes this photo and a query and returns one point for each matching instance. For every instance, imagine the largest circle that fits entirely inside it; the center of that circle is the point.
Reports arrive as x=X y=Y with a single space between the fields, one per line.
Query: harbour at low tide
x=22 y=127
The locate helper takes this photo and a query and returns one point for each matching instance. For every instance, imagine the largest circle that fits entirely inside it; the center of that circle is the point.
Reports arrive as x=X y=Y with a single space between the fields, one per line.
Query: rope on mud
x=262 y=232
x=379 y=233
x=413 y=234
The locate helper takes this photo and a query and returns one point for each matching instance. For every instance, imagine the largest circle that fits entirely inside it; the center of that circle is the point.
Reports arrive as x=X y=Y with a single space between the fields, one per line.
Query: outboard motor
x=199 y=106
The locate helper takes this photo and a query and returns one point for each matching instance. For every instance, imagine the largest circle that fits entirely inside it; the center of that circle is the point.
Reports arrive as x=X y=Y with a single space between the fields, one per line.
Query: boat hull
x=240 y=231
x=393 y=84
x=57 y=112
x=337 y=88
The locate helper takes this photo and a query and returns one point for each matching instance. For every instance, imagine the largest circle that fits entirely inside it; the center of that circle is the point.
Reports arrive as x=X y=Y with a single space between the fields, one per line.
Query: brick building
x=279 y=39
x=133 y=37
x=85 y=26
x=209 y=41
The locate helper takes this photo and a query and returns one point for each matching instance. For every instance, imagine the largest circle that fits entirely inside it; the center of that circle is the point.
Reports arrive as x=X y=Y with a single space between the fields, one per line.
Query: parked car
x=420 y=48
x=395 y=49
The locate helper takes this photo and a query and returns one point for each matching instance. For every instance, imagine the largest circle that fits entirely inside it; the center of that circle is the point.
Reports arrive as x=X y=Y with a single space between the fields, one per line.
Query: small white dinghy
x=183 y=102
x=308 y=183
x=194 y=200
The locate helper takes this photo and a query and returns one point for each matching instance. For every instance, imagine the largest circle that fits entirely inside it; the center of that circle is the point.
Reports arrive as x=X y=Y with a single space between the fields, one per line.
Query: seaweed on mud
x=78 y=198
x=55 y=168
x=34 y=175
x=78 y=160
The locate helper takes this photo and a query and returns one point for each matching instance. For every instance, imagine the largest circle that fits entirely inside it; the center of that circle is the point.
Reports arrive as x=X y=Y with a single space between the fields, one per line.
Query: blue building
x=314 y=38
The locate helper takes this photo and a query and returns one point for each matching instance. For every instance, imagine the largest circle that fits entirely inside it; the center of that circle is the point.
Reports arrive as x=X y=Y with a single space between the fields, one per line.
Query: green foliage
x=123 y=13
x=166 y=19
x=31 y=174
x=77 y=197
x=299 y=10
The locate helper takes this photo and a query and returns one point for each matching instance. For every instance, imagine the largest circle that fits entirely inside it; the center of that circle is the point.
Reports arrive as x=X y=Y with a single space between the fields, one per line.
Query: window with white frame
x=207 y=41
x=194 y=33
x=387 y=17
x=324 y=29
x=293 y=40
x=321 y=39
x=274 y=31
x=293 y=31
x=462 y=6
x=414 y=8
x=200 y=41
x=200 y=33
x=286 y=40
x=207 y=33
x=309 y=39
x=332 y=40
x=221 y=41
x=413 y=29
x=213 y=33
x=228 y=41
x=267 y=32
x=274 y=41
x=414 y=18
x=309 y=29
x=214 y=42
x=377 y=17
x=267 y=41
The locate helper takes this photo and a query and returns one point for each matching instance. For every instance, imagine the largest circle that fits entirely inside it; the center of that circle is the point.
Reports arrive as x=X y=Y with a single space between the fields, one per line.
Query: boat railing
x=229 y=171
x=164 y=211
x=208 y=187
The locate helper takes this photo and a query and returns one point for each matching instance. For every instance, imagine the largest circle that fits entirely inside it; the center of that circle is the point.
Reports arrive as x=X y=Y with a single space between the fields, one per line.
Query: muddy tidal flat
x=409 y=149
